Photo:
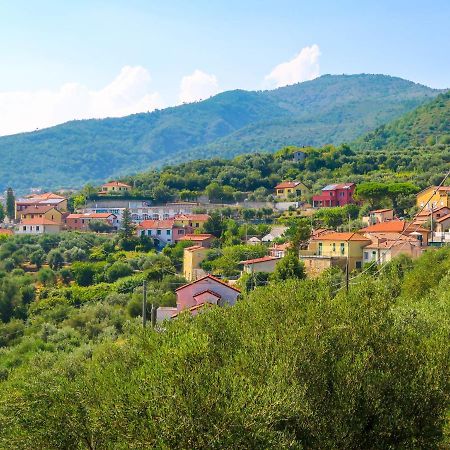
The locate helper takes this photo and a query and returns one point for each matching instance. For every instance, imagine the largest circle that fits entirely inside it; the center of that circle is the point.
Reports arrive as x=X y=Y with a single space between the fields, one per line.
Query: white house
x=39 y=225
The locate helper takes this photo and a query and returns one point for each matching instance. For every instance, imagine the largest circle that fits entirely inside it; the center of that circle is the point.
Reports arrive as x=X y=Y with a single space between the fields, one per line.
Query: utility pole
x=346 y=276
x=431 y=223
x=153 y=315
x=144 y=304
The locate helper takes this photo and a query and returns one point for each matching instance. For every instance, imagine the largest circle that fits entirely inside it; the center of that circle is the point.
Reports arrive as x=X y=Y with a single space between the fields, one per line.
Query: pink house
x=335 y=195
x=205 y=291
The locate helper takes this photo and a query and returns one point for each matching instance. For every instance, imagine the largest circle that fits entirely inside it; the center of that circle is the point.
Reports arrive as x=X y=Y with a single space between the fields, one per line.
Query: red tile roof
x=90 y=216
x=116 y=184
x=381 y=210
x=196 y=237
x=287 y=184
x=259 y=260
x=157 y=224
x=393 y=226
x=443 y=218
x=211 y=278
x=193 y=217
x=6 y=231
x=341 y=237
x=46 y=196
x=38 y=221
x=195 y=247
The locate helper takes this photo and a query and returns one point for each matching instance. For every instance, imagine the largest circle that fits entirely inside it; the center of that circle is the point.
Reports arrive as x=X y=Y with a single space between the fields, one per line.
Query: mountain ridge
x=329 y=109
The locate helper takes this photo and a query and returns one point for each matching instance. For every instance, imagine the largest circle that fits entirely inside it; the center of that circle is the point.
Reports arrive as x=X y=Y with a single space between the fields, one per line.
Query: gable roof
x=116 y=184
x=427 y=212
x=38 y=221
x=46 y=196
x=393 y=226
x=199 y=217
x=211 y=278
x=157 y=224
x=377 y=211
x=195 y=248
x=443 y=218
x=6 y=231
x=90 y=216
x=342 y=237
x=332 y=187
x=259 y=260
x=196 y=237
x=288 y=184
x=209 y=291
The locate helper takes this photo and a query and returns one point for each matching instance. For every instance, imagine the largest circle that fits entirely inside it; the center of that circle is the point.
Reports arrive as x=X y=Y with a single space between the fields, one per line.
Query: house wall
x=315 y=265
x=52 y=214
x=265 y=266
x=353 y=250
x=191 y=262
x=185 y=296
x=437 y=200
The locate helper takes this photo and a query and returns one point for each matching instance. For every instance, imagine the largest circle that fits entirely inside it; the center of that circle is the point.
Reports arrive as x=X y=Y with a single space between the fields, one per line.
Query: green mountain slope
x=329 y=109
x=428 y=124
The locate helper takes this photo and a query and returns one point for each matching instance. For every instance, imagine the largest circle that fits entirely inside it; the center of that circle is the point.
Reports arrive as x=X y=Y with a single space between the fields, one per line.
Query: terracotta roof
x=284 y=246
x=38 y=221
x=427 y=212
x=259 y=260
x=157 y=224
x=341 y=237
x=209 y=291
x=6 y=231
x=193 y=308
x=196 y=237
x=381 y=210
x=46 y=196
x=443 y=218
x=390 y=244
x=287 y=184
x=195 y=247
x=116 y=184
x=199 y=217
x=211 y=278
x=90 y=216
x=393 y=226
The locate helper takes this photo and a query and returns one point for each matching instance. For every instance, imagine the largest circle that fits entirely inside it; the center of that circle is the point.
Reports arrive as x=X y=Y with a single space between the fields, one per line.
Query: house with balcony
x=335 y=195
x=162 y=232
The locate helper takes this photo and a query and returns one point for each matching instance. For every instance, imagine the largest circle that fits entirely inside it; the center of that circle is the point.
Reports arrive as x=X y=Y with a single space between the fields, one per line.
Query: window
x=24 y=228
x=37 y=227
x=197 y=225
x=342 y=248
x=158 y=232
x=280 y=191
x=334 y=246
x=168 y=232
x=366 y=255
x=149 y=232
x=358 y=264
x=320 y=248
x=180 y=231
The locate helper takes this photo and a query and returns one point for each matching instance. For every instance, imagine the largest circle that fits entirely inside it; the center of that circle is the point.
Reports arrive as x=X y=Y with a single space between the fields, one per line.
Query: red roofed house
x=6 y=232
x=205 y=291
x=425 y=215
x=265 y=264
x=335 y=195
x=443 y=226
x=81 y=221
x=38 y=225
x=398 y=226
x=192 y=258
x=196 y=221
x=287 y=189
x=203 y=240
x=114 y=188
x=48 y=199
x=162 y=232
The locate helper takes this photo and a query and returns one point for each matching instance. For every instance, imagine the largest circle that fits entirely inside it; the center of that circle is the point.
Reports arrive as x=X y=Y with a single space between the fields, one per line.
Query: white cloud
x=128 y=93
x=305 y=66
x=197 y=86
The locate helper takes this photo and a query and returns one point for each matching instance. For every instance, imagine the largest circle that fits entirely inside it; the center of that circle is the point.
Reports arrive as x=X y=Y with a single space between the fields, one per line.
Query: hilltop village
x=225 y=247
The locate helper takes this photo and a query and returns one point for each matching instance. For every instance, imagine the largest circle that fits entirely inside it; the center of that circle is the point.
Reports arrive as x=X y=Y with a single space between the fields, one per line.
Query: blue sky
x=76 y=59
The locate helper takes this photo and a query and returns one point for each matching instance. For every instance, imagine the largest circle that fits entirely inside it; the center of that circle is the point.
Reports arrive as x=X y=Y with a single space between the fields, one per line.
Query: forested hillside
x=429 y=124
x=329 y=109
x=291 y=366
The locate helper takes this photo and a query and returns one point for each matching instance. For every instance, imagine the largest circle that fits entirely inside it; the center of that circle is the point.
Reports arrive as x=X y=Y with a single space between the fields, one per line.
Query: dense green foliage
x=427 y=125
x=329 y=109
x=292 y=366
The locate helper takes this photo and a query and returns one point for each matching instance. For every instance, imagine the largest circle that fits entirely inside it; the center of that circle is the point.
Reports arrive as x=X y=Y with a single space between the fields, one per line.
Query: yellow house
x=344 y=245
x=287 y=189
x=41 y=212
x=114 y=187
x=192 y=257
x=434 y=197
x=196 y=221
